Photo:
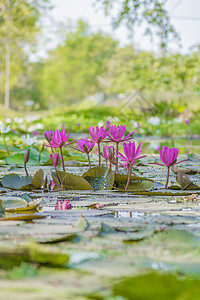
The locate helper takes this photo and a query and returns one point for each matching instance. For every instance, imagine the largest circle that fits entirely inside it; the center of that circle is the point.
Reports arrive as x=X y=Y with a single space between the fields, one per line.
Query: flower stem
x=57 y=175
x=117 y=167
x=4 y=140
x=26 y=169
x=89 y=160
x=166 y=185
x=110 y=166
x=129 y=177
x=99 y=150
x=63 y=164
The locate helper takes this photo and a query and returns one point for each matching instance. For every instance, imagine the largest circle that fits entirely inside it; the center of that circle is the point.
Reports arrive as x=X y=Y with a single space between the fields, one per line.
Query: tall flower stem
x=63 y=164
x=25 y=168
x=110 y=166
x=129 y=176
x=99 y=150
x=117 y=167
x=166 y=185
x=4 y=140
x=88 y=156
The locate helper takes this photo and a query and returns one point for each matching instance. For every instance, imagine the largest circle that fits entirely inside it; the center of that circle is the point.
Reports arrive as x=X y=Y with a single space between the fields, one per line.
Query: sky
x=184 y=14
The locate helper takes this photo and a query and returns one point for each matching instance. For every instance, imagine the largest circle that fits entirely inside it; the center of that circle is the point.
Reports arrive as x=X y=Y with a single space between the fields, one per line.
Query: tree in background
x=151 y=13
x=19 y=21
x=71 y=69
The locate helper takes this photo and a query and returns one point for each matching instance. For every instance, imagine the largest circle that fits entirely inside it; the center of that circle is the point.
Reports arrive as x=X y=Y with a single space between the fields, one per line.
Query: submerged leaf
x=100 y=178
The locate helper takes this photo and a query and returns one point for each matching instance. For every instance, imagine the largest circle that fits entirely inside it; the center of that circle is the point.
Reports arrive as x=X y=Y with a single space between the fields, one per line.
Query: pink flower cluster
x=109 y=133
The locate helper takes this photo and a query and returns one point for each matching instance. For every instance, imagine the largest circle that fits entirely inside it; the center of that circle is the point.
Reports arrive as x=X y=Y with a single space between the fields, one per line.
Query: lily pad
x=21 y=205
x=14 y=181
x=136 y=183
x=17 y=159
x=167 y=287
x=70 y=182
x=100 y=178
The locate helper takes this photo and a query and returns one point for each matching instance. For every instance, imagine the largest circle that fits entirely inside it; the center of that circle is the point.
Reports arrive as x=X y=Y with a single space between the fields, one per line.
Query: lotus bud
x=110 y=154
x=26 y=155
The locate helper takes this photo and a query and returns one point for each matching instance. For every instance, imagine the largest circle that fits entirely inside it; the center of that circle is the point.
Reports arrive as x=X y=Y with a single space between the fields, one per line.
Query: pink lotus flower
x=116 y=134
x=169 y=158
x=84 y=145
x=55 y=159
x=47 y=135
x=63 y=206
x=131 y=155
x=98 y=134
x=59 y=138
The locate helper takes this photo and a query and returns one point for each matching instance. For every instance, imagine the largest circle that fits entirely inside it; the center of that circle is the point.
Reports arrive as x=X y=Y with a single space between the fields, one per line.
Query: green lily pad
x=70 y=182
x=32 y=252
x=14 y=181
x=136 y=183
x=100 y=178
x=17 y=159
x=157 y=286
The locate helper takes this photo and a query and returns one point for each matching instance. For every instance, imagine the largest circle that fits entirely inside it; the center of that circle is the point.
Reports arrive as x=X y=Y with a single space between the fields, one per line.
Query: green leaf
x=19 y=205
x=100 y=178
x=136 y=183
x=14 y=181
x=2 y=207
x=36 y=182
x=157 y=286
x=34 y=253
x=17 y=159
x=70 y=182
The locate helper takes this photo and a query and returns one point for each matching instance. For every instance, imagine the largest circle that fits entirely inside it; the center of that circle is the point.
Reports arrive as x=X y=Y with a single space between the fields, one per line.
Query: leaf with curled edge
x=185 y=182
x=69 y=182
x=36 y=182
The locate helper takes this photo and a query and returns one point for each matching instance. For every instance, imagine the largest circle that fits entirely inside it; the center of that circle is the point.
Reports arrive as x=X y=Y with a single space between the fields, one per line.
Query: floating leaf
x=70 y=182
x=14 y=181
x=19 y=205
x=21 y=217
x=167 y=287
x=34 y=253
x=100 y=178
x=136 y=183
x=17 y=159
